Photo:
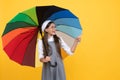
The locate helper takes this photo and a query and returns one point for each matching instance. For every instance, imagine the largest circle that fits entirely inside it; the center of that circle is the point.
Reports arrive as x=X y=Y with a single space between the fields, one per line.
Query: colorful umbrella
x=20 y=35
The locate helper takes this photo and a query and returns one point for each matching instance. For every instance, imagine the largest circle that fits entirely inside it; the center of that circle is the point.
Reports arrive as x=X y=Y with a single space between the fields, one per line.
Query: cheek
x=50 y=31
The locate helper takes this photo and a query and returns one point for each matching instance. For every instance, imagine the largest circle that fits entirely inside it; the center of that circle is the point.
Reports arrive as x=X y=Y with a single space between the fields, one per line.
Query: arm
x=75 y=43
x=65 y=47
x=69 y=50
x=40 y=52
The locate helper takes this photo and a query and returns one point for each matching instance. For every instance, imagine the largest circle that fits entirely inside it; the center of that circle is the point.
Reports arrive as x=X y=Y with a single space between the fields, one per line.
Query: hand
x=78 y=39
x=46 y=59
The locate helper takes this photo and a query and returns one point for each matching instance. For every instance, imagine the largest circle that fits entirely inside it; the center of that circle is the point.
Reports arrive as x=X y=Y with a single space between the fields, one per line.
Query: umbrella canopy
x=20 y=35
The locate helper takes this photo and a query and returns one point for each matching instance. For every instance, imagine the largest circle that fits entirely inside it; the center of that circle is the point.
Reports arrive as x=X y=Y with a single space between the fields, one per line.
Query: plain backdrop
x=97 y=57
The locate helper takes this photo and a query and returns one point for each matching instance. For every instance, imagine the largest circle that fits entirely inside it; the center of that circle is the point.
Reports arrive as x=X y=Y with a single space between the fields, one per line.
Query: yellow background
x=97 y=57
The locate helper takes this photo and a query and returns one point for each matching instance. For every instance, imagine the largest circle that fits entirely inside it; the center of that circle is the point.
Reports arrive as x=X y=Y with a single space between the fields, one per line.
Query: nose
x=54 y=28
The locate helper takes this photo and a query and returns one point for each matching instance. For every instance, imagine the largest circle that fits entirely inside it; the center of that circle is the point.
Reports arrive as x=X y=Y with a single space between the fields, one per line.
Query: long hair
x=46 y=45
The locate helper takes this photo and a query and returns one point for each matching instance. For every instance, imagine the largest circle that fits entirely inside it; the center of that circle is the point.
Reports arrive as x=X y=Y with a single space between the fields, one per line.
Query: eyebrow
x=54 y=26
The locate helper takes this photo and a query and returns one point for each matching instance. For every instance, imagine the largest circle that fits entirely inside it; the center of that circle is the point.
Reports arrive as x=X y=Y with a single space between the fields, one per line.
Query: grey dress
x=53 y=73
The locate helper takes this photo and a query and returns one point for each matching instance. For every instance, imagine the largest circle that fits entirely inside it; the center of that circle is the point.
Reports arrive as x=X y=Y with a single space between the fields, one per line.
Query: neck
x=49 y=35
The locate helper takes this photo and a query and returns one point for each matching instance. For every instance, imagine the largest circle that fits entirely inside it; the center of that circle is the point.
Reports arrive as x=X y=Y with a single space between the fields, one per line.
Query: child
x=53 y=43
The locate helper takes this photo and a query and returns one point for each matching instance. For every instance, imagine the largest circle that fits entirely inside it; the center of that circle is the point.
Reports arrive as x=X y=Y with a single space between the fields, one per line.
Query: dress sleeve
x=40 y=49
x=65 y=46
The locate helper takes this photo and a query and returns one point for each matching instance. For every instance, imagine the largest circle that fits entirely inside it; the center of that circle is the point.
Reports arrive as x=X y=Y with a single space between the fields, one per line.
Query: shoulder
x=61 y=39
x=39 y=41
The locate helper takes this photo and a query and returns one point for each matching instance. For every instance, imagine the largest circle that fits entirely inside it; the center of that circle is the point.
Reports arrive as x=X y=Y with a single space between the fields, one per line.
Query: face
x=51 y=30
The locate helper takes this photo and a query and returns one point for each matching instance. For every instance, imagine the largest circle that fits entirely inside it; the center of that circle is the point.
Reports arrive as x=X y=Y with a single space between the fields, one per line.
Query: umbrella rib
x=24 y=22
x=10 y=26
x=13 y=34
x=27 y=47
x=20 y=42
x=63 y=14
x=69 y=26
x=29 y=17
x=46 y=12
x=64 y=17
x=66 y=33
x=22 y=17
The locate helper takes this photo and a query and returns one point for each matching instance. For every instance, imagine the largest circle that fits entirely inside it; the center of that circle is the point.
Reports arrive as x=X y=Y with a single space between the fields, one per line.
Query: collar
x=50 y=39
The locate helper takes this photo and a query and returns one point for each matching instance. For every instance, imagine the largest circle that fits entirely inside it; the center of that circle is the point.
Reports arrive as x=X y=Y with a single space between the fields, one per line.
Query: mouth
x=53 y=32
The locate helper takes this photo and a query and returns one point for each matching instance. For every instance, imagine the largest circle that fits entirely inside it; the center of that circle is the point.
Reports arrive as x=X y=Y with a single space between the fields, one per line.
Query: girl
x=53 y=43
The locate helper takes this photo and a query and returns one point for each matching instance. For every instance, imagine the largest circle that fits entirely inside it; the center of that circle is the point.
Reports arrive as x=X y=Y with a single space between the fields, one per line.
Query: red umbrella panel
x=22 y=47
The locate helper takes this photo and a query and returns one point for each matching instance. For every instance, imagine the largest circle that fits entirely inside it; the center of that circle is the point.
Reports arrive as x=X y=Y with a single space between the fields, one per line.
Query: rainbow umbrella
x=21 y=33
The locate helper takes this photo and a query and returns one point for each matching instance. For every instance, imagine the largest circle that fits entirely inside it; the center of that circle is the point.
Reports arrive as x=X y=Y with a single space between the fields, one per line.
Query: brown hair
x=46 y=48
